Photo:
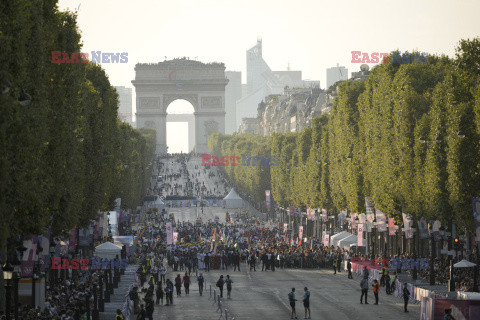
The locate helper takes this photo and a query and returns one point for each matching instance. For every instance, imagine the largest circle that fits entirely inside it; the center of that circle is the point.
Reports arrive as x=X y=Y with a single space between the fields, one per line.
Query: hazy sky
x=311 y=35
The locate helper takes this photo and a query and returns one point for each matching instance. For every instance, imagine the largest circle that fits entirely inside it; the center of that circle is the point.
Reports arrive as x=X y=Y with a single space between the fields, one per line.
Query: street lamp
x=432 y=256
x=16 y=279
x=7 y=276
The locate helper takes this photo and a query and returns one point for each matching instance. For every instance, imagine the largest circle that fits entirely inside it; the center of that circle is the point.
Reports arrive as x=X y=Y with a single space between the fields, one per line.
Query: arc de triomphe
x=202 y=84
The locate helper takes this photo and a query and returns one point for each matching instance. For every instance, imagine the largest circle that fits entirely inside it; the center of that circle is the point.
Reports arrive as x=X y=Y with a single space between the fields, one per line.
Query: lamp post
x=475 y=270
x=95 y=312
x=101 y=303
x=107 y=287
x=432 y=256
x=110 y=281
x=7 y=276
x=34 y=281
x=87 y=304
x=16 y=279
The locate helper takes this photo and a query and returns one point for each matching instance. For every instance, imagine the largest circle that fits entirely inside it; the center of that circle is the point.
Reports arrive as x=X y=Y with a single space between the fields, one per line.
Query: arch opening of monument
x=180 y=126
x=157 y=85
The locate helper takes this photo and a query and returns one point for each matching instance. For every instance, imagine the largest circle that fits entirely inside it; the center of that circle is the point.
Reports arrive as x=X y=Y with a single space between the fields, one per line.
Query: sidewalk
x=193 y=306
x=117 y=300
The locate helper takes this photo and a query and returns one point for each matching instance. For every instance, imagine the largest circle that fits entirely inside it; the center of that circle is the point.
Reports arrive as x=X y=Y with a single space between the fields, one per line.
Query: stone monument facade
x=202 y=84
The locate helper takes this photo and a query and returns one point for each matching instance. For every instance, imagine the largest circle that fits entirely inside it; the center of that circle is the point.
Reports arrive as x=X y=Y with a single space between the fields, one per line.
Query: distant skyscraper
x=262 y=82
x=233 y=92
x=125 y=104
x=336 y=74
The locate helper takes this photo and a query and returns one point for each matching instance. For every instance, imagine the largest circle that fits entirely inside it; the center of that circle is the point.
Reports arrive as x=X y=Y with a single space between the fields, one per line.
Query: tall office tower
x=336 y=74
x=233 y=93
x=261 y=82
x=125 y=104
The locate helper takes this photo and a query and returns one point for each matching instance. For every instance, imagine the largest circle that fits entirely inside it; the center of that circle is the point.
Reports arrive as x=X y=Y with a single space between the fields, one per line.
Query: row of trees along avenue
x=407 y=137
x=64 y=154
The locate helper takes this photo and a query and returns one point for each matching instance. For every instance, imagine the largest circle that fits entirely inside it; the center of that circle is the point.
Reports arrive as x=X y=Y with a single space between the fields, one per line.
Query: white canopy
x=337 y=237
x=347 y=241
x=107 y=250
x=464 y=264
x=233 y=200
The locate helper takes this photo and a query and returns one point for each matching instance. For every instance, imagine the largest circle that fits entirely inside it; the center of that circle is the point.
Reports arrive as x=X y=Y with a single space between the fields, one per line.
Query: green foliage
x=61 y=156
x=369 y=145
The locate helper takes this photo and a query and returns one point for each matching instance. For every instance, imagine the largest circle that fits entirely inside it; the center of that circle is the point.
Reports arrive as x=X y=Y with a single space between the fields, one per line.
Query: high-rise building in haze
x=233 y=93
x=262 y=82
x=336 y=74
x=125 y=110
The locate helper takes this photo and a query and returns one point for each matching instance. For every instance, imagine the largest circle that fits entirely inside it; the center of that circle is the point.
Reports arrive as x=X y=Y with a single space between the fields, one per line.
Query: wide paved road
x=263 y=295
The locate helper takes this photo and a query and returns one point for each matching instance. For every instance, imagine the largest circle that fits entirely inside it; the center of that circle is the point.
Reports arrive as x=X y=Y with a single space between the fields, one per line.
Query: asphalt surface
x=263 y=295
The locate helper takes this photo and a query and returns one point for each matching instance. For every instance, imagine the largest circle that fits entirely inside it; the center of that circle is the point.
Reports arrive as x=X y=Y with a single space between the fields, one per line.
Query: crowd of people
x=183 y=175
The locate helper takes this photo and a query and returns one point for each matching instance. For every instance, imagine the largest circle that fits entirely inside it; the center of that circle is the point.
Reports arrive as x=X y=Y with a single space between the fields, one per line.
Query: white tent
x=233 y=200
x=347 y=241
x=464 y=264
x=154 y=202
x=107 y=250
x=337 y=237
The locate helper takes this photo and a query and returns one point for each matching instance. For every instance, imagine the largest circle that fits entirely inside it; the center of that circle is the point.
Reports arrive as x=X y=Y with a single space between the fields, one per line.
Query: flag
x=391 y=227
x=423 y=229
x=175 y=237
x=370 y=213
x=29 y=256
x=267 y=199
x=381 y=221
x=407 y=222
x=341 y=217
x=73 y=240
x=326 y=239
x=353 y=221
x=361 y=228
x=309 y=213
x=324 y=215
x=476 y=218
x=436 y=231
x=169 y=233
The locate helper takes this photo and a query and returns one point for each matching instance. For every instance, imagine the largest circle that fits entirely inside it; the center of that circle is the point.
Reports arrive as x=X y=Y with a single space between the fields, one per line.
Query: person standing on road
x=236 y=261
x=178 y=285
x=365 y=272
x=200 y=281
x=149 y=309
x=384 y=275
x=364 y=286
x=220 y=284
x=306 y=303
x=388 y=289
x=159 y=293
x=186 y=283
x=376 y=290
x=207 y=262
x=163 y=270
x=406 y=296
x=349 y=268
x=252 y=262
x=291 y=298
x=394 y=282
x=229 y=282
x=118 y=316
x=335 y=261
